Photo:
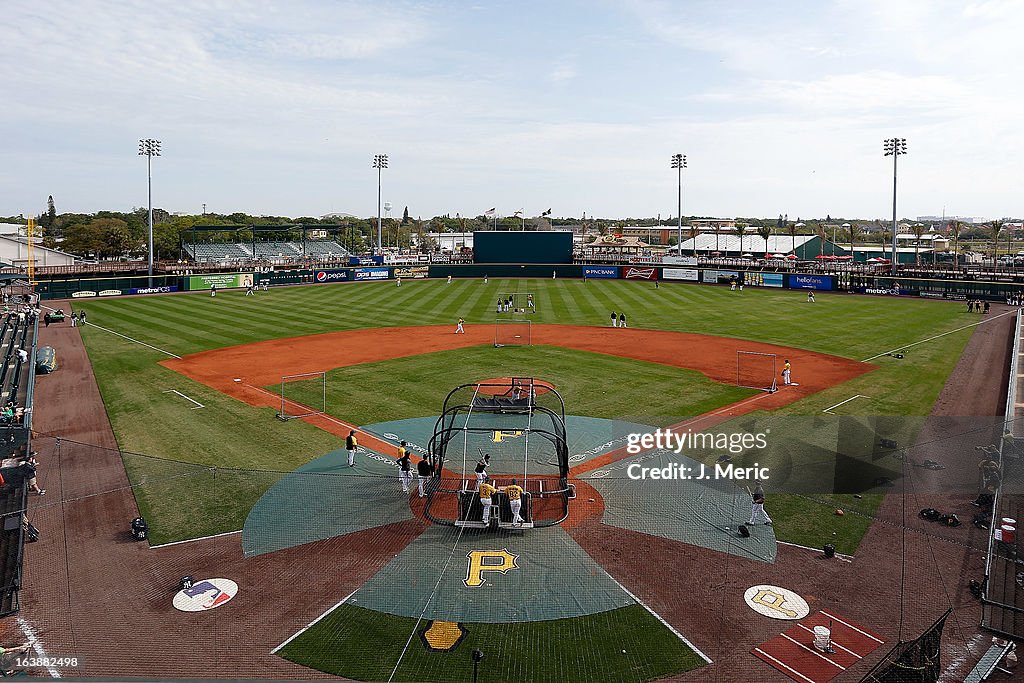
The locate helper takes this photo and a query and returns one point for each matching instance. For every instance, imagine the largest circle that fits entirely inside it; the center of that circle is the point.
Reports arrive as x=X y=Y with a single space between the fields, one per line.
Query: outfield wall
x=874 y=285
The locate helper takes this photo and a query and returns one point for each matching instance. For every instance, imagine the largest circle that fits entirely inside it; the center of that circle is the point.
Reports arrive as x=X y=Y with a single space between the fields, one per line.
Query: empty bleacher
x=17 y=331
x=234 y=252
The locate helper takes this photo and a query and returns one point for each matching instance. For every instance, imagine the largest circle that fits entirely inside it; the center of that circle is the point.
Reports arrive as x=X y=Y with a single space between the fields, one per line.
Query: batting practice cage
x=303 y=395
x=520 y=423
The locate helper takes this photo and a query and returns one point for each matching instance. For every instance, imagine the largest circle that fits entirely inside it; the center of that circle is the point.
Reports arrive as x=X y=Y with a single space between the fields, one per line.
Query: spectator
x=22 y=355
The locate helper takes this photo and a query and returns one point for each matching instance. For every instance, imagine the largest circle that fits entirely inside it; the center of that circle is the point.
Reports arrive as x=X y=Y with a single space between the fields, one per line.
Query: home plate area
x=794 y=651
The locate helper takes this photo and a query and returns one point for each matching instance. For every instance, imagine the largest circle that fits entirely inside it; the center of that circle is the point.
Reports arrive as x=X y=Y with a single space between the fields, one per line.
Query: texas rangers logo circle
x=205 y=595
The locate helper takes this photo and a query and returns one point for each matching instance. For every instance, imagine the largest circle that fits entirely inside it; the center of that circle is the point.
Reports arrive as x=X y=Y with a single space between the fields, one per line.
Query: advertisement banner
x=823 y=282
x=762 y=279
x=415 y=272
x=639 y=273
x=877 y=291
x=365 y=260
x=371 y=273
x=82 y=294
x=153 y=290
x=721 y=277
x=680 y=260
x=689 y=274
x=111 y=292
x=601 y=272
x=333 y=275
x=221 y=280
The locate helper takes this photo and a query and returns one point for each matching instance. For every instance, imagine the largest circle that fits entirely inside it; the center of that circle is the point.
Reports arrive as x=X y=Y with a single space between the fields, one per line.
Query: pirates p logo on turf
x=481 y=561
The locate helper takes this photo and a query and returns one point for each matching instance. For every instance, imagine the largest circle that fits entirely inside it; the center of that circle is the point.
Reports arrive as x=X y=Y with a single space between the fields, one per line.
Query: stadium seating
x=265 y=251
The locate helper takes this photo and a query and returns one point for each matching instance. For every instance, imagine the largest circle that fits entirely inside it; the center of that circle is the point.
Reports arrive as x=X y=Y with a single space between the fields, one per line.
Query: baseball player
x=622 y=320
x=757 y=505
x=398 y=282
x=213 y=290
x=615 y=320
x=405 y=468
x=481 y=470
x=265 y=285
x=786 y=373
x=529 y=302
x=810 y=296
x=424 y=470
x=515 y=492
x=249 y=290
x=486 y=491
x=459 y=329
x=351 y=445
x=449 y=279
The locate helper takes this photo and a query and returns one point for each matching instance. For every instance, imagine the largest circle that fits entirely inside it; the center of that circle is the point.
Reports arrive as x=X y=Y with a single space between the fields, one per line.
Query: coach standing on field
x=351 y=445
x=424 y=470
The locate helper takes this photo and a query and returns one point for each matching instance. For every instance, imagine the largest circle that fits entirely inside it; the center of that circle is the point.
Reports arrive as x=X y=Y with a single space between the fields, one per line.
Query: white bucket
x=822 y=638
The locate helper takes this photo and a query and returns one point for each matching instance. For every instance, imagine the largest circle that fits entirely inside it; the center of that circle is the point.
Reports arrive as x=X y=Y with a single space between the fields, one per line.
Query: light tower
x=679 y=163
x=150 y=148
x=894 y=147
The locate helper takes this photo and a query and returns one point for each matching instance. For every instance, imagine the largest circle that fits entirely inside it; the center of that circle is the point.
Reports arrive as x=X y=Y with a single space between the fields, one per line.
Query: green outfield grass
x=627 y=644
x=229 y=434
x=589 y=384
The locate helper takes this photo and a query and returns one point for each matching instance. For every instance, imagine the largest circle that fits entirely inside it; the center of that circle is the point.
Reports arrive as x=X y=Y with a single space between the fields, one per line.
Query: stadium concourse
x=95 y=594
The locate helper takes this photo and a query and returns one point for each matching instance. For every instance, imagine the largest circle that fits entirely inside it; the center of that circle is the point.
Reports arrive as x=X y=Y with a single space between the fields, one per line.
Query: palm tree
x=792 y=235
x=718 y=231
x=954 y=230
x=765 y=231
x=852 y=229
x=994 y=228
x=918 y=230
x=692 y=232
x=741 y=230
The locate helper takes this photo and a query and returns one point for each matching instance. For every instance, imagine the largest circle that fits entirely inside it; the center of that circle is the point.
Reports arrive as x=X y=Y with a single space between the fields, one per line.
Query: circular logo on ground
x=204 y=595
x=775 y=602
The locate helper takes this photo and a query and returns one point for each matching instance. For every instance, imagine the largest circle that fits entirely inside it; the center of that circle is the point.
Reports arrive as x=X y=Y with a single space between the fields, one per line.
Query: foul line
x=193 y=540
x=959 y=329
x=657 y=616
x=175 y=391
x=124 y=336
x=37 y=645
x=314 y=622
x=846 y=401
x=846 y=558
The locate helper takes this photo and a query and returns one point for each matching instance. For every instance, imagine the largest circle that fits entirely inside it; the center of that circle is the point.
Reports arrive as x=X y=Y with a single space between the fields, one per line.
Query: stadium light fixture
x=894 y=147
x=679 y=163
x=380 y=162
x=150 y=148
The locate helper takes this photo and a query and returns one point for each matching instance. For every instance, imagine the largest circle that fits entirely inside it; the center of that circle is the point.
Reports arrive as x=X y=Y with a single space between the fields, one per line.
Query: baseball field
x=191 y=385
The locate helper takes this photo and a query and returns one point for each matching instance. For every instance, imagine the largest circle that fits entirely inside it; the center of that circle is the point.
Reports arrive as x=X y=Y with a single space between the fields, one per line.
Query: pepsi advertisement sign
x=810 y=282
x=371 y=273
x=323 y=276
x=601 y=272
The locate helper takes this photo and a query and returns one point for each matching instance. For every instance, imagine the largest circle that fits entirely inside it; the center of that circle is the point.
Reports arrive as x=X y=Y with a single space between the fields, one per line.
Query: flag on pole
x=519 y=212
x=490 y=213
x=546 y=213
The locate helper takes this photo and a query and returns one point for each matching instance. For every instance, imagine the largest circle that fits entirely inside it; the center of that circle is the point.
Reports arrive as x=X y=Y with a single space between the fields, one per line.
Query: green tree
x=994 y=230
x=765 y=231
x=741 y=230
x=405 y=216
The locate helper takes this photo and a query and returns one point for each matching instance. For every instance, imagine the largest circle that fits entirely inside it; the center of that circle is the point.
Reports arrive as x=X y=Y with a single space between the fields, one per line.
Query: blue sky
x=279 y=107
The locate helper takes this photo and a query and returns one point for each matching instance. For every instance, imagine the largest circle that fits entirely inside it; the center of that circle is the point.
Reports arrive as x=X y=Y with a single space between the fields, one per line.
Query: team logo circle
x=321 y=276
x=205 y=595
x=775 y=602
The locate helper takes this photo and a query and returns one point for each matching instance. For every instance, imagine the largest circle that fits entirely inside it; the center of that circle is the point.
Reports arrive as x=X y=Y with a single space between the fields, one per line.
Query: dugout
x=544 y=246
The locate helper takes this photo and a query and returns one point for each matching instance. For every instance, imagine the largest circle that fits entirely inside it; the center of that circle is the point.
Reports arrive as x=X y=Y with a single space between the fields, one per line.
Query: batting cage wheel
x=520 y=423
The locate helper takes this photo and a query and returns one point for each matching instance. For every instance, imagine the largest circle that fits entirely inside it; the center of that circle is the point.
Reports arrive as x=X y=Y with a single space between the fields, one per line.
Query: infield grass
x=627 y=644
x=229 y=434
